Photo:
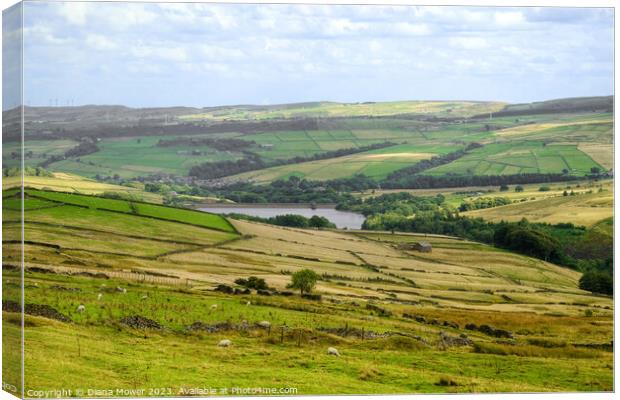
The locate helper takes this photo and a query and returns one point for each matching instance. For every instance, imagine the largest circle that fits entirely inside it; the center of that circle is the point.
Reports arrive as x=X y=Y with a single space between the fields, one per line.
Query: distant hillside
x=568 y=105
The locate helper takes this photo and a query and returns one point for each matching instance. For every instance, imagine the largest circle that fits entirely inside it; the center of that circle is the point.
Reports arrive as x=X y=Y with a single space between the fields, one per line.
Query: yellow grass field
x=582 y=209
x=602 y=153
x=64 y=182
x=370 y=164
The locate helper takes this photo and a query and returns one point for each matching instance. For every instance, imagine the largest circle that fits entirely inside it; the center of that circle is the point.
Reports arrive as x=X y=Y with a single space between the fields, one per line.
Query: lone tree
x=304 y=280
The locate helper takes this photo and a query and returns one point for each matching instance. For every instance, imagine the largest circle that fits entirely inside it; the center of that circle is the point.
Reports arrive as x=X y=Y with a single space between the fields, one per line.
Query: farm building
x=424 y=247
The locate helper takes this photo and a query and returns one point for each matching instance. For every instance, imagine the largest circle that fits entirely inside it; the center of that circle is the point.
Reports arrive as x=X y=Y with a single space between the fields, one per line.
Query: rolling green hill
x=146 y=273
x=548 y=137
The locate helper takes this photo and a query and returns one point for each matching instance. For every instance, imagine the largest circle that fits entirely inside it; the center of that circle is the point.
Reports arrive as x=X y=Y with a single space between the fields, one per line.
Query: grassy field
x=331 y=109
x=518 y=158
x=169 y=264
x=140 y=156
x=35 y=151
x=63 y=182
x=581 y=209
x=375 y=164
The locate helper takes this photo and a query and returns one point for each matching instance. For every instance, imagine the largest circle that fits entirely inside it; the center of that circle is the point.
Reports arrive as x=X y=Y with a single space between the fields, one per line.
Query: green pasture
x=207 y=220
x=35 y=151
x=519 y=157
x=139 y=156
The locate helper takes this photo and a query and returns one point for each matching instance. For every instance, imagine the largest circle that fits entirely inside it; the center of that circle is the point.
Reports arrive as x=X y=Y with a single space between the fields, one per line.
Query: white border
x=497 y=3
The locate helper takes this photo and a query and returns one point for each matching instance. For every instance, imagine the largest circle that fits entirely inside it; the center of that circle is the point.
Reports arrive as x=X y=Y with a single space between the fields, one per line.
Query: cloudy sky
x=204 y=54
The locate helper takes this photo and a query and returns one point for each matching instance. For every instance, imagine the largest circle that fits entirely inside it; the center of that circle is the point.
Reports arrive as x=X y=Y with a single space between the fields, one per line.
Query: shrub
x=446 y=381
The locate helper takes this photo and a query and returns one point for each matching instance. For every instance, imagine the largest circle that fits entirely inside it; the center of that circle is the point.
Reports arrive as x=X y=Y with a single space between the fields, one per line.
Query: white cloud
x=343 y=26
x=508 y=18
x=405 y=28
x=176 y=54
x=287 y=52
x=469 y=43
x=74 y=13
x=99 y=42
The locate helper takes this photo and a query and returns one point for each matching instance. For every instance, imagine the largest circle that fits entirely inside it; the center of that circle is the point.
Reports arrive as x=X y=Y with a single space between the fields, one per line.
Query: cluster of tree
x=530 y=240
x=252 y=283
x=85 y=147
x=224 y=144
x=447 y=181
x=293 y=190
x=484 y=202
x=219 y=169
x=401 y=203
x=596 y=281
x=291 y=220
x=252 y=161
x=28 y=171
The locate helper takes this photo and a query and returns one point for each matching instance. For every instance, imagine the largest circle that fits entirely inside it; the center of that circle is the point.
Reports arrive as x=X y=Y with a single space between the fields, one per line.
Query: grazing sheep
x=121 y=290
x=332 y=351
x=81 y=308
x=224 y=343
x=248 y=303
x=99 y=296
x=264 y=324
x=214 y=307
x=144 y=297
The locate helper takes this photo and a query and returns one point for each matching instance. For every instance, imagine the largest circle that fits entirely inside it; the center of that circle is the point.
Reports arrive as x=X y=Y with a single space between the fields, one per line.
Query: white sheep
x=99 y=296
x=144 y=297
x=224 y=343
x=213 y=307
x=264 y=324
x=81 y=308
x=248 y=303
x=120 y=289
x=332 y=351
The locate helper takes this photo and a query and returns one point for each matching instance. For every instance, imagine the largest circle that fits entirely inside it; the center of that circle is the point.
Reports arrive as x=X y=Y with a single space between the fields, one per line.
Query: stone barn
x=423 y=247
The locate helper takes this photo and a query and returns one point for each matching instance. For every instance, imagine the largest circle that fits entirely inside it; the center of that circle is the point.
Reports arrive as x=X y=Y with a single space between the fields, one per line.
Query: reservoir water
x=342 y=219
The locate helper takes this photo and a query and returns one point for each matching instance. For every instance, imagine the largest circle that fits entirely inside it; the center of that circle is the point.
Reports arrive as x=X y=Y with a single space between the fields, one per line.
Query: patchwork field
x=375 y=164
x=537 y=143
x=129 y=157
x=146 y=273
x=519 y=158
